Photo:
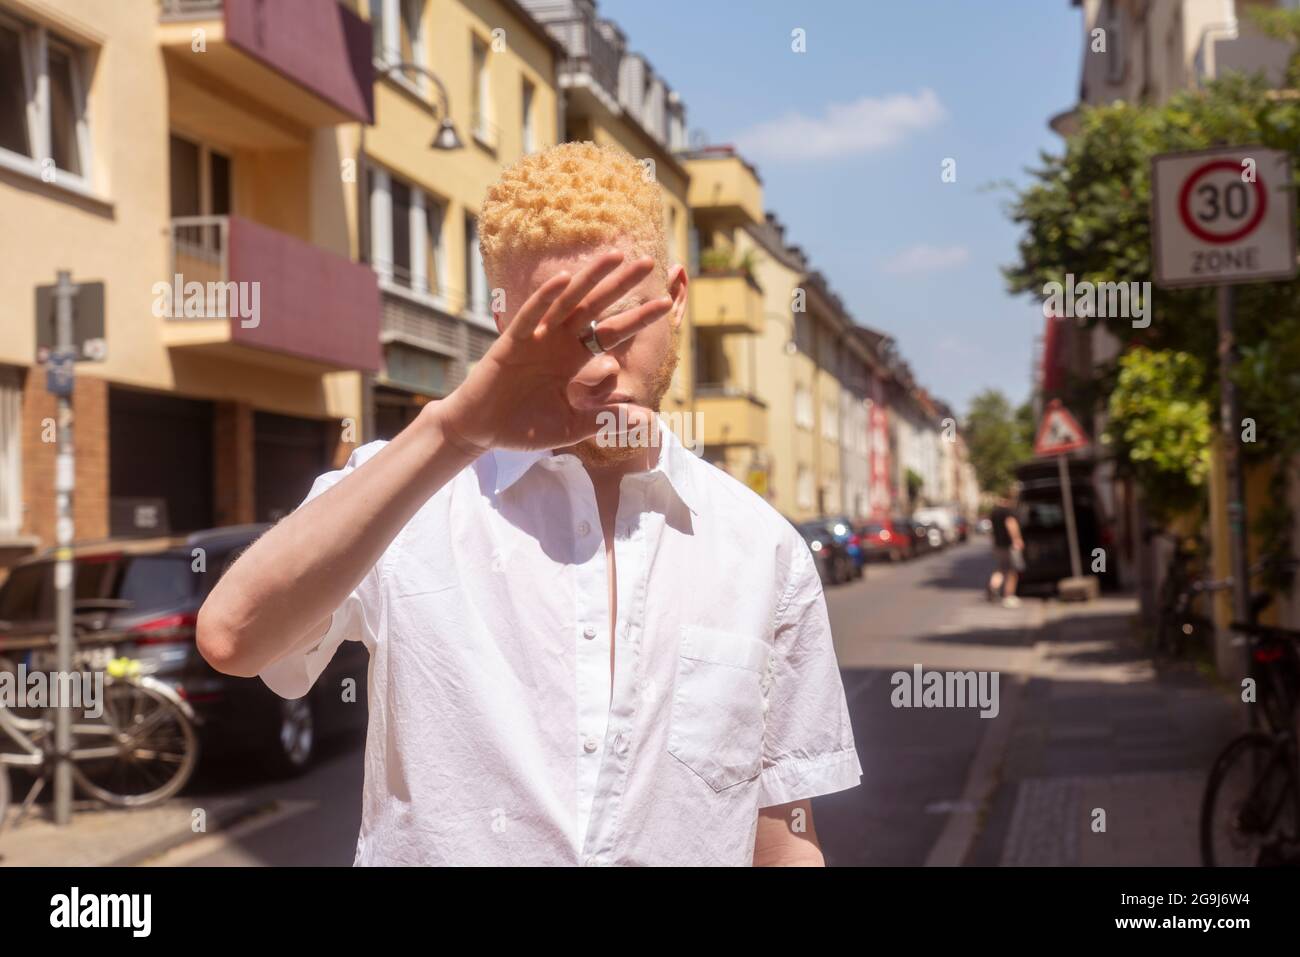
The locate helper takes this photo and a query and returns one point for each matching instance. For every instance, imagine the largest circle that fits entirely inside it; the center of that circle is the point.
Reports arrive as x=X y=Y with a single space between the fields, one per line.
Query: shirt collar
x=674 y=465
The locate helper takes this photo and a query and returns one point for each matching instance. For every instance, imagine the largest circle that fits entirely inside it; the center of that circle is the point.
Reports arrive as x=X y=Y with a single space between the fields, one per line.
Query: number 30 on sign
x=1222 y=216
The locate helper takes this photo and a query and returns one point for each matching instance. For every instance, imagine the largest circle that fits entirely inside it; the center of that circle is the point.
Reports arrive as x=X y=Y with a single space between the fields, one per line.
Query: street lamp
x=446 y=138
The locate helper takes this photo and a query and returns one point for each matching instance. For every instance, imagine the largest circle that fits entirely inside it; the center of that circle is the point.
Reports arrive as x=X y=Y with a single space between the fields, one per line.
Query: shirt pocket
x=716 y=728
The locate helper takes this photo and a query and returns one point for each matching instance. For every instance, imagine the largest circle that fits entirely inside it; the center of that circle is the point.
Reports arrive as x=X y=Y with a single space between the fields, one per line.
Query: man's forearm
x=283 y=590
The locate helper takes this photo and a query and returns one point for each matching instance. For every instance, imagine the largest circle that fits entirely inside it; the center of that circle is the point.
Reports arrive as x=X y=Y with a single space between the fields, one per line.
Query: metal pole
x=1067 y=504
x=1230 y=422
x=63 y=567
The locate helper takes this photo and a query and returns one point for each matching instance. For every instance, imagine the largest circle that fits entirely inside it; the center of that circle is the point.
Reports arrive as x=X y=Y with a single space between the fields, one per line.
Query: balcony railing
x=589 y=52
x=276 y=293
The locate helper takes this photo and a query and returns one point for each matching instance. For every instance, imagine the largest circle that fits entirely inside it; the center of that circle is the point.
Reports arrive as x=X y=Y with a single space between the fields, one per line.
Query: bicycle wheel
x=1251 y=811
x=142 y=751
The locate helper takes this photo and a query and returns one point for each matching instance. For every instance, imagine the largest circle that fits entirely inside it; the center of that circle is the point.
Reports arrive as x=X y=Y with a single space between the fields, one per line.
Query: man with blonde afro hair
x=588 y=645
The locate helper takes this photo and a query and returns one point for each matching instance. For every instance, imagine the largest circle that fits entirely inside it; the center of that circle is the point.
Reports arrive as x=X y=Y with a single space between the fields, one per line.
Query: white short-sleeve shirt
x=494 y=735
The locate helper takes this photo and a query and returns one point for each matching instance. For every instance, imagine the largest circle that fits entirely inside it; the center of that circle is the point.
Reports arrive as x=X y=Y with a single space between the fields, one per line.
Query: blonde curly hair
x=572 y=194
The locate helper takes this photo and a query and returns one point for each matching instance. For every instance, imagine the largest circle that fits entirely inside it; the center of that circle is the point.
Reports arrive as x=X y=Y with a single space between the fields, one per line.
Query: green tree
x=1160 y=428
x=914 y=485
x=1087 y=213
x=999 y=438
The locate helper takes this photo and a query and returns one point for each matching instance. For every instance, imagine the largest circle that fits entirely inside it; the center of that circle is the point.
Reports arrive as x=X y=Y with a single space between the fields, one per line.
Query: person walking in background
x=1008 y=550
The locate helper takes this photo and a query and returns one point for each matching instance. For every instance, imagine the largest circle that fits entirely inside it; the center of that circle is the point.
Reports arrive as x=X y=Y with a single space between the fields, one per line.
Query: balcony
x=729 y=299
x=243 y=290
x=593 y=47
x=725 y=185
x=730 y=416
x=309 y=60
x=425 y=349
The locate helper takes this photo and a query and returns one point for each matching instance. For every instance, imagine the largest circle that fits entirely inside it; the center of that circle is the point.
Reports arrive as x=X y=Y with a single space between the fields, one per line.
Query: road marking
x=963 y=824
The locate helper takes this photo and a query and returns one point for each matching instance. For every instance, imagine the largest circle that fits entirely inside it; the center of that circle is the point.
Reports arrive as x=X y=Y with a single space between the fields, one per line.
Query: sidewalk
x=101 y=838
x=1102 y=739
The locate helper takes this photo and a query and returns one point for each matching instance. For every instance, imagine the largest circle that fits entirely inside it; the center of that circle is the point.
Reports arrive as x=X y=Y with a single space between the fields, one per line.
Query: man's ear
x=677 y=283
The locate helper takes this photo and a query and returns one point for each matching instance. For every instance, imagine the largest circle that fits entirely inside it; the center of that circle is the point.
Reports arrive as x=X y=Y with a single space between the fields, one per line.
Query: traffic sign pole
x=1067 y=503
x=1219 y=217
x=1229 y=423
x=63 y=566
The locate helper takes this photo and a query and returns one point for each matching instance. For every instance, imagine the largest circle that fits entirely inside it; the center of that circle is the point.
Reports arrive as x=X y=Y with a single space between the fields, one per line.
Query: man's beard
x=592 y=453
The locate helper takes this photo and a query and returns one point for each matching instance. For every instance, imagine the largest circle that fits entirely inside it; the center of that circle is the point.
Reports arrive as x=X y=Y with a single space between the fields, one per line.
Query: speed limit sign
x=1222 y=216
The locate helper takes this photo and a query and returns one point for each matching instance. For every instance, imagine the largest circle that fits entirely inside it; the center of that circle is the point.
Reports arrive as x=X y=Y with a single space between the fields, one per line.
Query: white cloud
x=925 y=258
x=866 y=125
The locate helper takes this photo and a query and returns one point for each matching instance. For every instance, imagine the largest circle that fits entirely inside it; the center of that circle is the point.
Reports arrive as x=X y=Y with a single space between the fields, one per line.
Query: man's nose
x=596 y=371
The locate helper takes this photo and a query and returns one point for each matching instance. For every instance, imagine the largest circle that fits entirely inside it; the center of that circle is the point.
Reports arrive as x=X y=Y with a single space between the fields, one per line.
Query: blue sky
x=850 y=137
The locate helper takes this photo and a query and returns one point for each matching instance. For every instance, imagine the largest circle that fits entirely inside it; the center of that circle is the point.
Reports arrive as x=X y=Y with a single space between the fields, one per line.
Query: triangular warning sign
x=1059 y=432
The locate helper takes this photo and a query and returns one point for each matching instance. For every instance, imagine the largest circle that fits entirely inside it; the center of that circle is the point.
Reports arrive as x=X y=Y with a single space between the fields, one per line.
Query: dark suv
x=140 y=599
x=1042 y=525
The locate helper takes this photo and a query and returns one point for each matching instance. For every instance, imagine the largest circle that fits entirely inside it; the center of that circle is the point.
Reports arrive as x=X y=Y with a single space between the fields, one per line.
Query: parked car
x=925 y=537
x=941 y=518
x=1042 y=525
x=140 y=599
x=845 y=533
x=834 y=563
x=889 y=538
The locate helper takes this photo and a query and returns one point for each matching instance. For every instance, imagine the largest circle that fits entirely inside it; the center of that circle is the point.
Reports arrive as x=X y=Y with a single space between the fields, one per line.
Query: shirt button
x=589 y=632
x=620 y=744
x=584 y=529
x=590 y=745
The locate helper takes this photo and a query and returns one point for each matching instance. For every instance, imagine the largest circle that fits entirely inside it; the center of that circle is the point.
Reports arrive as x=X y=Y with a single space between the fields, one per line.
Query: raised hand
x=521 y=394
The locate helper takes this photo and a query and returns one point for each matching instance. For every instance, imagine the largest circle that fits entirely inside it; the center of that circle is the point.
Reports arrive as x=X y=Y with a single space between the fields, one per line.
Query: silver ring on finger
x=591 y=341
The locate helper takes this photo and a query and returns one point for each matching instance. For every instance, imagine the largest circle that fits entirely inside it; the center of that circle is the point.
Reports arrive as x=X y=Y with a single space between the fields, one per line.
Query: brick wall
x=90 y=443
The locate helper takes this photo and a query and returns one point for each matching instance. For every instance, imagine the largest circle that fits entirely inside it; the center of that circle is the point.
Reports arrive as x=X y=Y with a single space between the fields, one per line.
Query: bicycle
x=140 y=751
x=1254 y=783
x=1181 y=622
x=1179 y=618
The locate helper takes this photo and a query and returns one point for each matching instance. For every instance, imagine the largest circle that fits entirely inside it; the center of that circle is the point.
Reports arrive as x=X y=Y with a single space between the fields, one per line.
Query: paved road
x=916 y=762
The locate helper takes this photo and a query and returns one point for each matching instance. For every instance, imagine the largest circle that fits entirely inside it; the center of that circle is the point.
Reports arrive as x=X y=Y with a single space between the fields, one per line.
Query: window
x=406 y=245
x=43 y=126
x=830 y=420
x=11 y=398
x=476 y=286
x=712 y=370
x=803 y=407
x=200 y=190
x=481 y=95
x=804 y=488
x=200 y=179
x=529 y=139
x=397 y=27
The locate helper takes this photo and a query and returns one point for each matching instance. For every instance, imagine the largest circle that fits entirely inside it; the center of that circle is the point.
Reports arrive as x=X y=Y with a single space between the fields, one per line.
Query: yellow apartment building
x=192 y=157
x=781 y=379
